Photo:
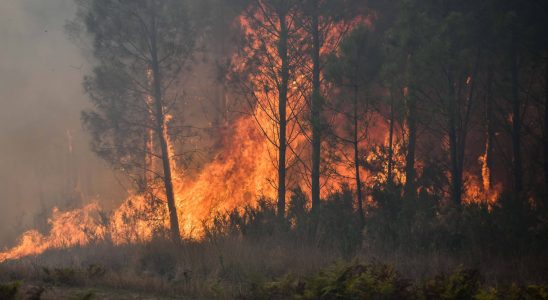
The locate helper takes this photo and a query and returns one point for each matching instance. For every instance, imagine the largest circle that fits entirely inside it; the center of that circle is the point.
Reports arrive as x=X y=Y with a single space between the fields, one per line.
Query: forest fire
x=233 y=149
x=238 y=176
x=235 y=178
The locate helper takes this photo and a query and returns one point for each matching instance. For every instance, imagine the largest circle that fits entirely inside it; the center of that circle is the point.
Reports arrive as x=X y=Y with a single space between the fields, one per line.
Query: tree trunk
x=357 y=159
x=516 y=124
x=460 y=114
x=282 y=103
x=454 y=149
x=390 y=141
x=316 y=112
x=546 y=125
x=162 y=136
x=410 y=190
x=490 y=134
x=456 y=188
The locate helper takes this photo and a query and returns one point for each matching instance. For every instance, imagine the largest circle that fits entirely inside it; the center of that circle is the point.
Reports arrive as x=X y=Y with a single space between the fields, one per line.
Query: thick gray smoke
x=45 y=160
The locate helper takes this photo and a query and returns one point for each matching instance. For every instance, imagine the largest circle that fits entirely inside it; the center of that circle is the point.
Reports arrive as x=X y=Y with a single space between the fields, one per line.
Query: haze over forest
x=41 y=94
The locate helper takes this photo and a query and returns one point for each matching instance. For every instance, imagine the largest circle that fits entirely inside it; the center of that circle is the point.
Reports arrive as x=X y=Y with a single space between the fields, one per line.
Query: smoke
x=45 y=159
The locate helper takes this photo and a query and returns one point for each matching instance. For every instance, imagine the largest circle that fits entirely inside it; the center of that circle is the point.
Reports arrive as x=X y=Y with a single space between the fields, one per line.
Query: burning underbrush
x=232 y=180
x=236 y=246
x=252 y=254
x=234 y=241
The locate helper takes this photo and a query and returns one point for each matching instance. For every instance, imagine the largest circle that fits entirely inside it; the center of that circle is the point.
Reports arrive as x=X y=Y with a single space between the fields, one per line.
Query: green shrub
x=339 y=225
x=61 y=276
x=379 y=281
x=9 y=290
x=354 y=281
x=462 y=284
x=286 y=287
x=514 y=292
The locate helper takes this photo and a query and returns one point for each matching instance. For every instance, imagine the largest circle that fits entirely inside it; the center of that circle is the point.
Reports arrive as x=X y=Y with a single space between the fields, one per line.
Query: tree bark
x=454 y=149
x=282 y=110
x=410 y=190
x=516 y=124
x=390 y=141
x=490 y=131
x=316 y=111
x=546 y=125
x=357 y=159
x=162 y=132
x=456 y=188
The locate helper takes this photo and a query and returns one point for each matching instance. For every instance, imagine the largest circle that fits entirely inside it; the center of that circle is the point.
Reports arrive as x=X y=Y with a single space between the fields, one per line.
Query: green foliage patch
x=8 y=291
x=380 y=281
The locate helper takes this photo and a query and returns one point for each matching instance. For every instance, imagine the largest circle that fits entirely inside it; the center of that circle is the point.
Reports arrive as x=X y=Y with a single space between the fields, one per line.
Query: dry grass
x=226 y=267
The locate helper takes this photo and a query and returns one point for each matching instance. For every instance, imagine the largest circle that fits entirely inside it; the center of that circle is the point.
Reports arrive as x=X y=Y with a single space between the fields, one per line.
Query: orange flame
x=237 y=176
x=68 y=229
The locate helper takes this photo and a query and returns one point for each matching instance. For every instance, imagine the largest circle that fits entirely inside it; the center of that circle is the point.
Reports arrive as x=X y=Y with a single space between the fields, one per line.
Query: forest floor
x=273 y=268
x=26 y=291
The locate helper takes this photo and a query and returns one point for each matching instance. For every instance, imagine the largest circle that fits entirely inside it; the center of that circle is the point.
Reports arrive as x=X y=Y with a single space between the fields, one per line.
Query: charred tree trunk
x=355 y=141
x=410 y=189
x=316 y=112
x=516 y=124
x=460 y=113
x=546 y=124
x=162 y=137
x=282 y=110
x=454 y=149
x=390 y=141
x=490 y=133
x=456 y=188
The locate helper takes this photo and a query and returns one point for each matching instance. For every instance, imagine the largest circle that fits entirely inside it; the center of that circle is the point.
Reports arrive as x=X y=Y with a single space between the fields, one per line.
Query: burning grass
x=233 y=181
x=406 y=250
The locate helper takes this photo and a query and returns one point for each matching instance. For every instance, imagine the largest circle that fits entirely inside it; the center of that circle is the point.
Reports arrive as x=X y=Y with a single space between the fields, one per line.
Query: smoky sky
x=45 y=159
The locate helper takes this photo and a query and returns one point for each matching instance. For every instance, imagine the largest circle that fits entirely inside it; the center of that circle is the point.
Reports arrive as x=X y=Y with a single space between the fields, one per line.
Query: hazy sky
x=40 y=102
